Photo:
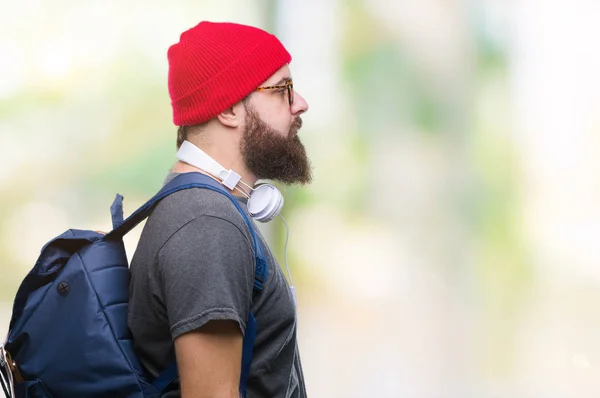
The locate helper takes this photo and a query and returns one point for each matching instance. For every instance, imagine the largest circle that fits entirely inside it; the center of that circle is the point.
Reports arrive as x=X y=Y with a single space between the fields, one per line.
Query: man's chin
x=296 y=180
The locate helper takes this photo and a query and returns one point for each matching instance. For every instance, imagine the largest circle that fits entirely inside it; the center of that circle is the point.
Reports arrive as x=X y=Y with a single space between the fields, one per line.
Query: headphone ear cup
x=265 y=203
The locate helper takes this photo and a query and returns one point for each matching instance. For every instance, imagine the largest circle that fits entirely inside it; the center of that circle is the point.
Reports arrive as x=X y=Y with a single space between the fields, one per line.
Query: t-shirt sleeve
x=207 y=273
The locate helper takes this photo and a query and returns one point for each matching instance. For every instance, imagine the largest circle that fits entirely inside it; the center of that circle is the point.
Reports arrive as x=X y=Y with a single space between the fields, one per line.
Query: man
x=193 y=271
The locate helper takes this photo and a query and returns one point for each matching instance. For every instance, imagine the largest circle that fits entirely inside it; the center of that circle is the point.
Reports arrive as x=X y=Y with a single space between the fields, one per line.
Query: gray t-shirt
x=195 y=263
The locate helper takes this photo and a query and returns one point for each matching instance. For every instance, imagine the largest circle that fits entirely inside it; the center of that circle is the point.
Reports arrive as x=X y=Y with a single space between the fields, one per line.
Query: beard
x=270 y=155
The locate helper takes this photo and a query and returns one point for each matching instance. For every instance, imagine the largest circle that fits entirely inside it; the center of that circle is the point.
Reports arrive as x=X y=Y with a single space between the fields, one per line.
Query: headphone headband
x=265 y=202
x=191 y=154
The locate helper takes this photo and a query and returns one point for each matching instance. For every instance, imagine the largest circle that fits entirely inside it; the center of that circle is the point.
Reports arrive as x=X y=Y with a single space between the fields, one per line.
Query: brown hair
x=181 y=135
x=182 y=131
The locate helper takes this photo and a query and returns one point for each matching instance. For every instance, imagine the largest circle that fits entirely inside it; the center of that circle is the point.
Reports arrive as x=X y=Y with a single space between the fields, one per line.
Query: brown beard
x=270 y=155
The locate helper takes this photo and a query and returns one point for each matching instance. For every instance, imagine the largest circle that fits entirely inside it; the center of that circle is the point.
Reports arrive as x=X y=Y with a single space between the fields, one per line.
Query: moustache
x=296 y=126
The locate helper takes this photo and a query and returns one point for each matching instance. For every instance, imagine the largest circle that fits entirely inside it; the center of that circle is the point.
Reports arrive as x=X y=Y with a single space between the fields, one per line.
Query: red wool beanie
x=216 y=65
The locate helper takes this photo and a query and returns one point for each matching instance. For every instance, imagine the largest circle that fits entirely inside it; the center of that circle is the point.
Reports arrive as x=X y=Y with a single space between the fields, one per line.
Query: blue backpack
x=68 y=335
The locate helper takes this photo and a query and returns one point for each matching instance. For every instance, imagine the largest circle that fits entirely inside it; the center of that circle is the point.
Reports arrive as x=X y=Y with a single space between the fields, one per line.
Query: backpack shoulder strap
x=186 y=181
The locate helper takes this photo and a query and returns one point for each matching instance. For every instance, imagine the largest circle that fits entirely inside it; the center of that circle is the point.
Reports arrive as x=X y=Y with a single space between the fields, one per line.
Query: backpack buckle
x=6 y=373
x=14 y=369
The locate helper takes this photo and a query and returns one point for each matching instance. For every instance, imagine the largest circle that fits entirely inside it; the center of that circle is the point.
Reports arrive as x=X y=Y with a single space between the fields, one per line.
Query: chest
x=274 y=307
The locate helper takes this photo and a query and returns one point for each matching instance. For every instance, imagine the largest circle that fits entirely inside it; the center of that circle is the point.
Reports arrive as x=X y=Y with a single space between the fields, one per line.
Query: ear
x=232 y=117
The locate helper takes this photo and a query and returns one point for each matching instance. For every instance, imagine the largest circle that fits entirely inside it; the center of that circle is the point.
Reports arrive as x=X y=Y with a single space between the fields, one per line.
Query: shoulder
x=181 y=207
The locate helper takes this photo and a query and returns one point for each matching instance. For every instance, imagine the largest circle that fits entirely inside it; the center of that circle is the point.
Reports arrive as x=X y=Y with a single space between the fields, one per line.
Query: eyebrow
x=281 y=81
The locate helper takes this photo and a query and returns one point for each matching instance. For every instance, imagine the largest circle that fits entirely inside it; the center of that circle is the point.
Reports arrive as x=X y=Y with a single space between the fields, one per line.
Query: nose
x=300 y=105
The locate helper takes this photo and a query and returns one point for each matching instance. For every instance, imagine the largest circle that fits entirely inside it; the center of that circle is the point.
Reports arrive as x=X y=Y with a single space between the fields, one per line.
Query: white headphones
x=264 y=202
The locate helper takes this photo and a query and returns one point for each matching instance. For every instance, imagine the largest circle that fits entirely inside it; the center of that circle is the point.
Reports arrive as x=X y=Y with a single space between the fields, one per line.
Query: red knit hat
x=216 y=65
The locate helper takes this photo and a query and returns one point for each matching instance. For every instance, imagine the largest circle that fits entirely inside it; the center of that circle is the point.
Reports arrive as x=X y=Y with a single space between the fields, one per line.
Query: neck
x=227 y=159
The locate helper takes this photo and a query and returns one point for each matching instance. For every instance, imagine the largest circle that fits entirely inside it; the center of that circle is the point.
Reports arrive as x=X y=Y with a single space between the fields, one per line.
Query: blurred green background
x=448 y=246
